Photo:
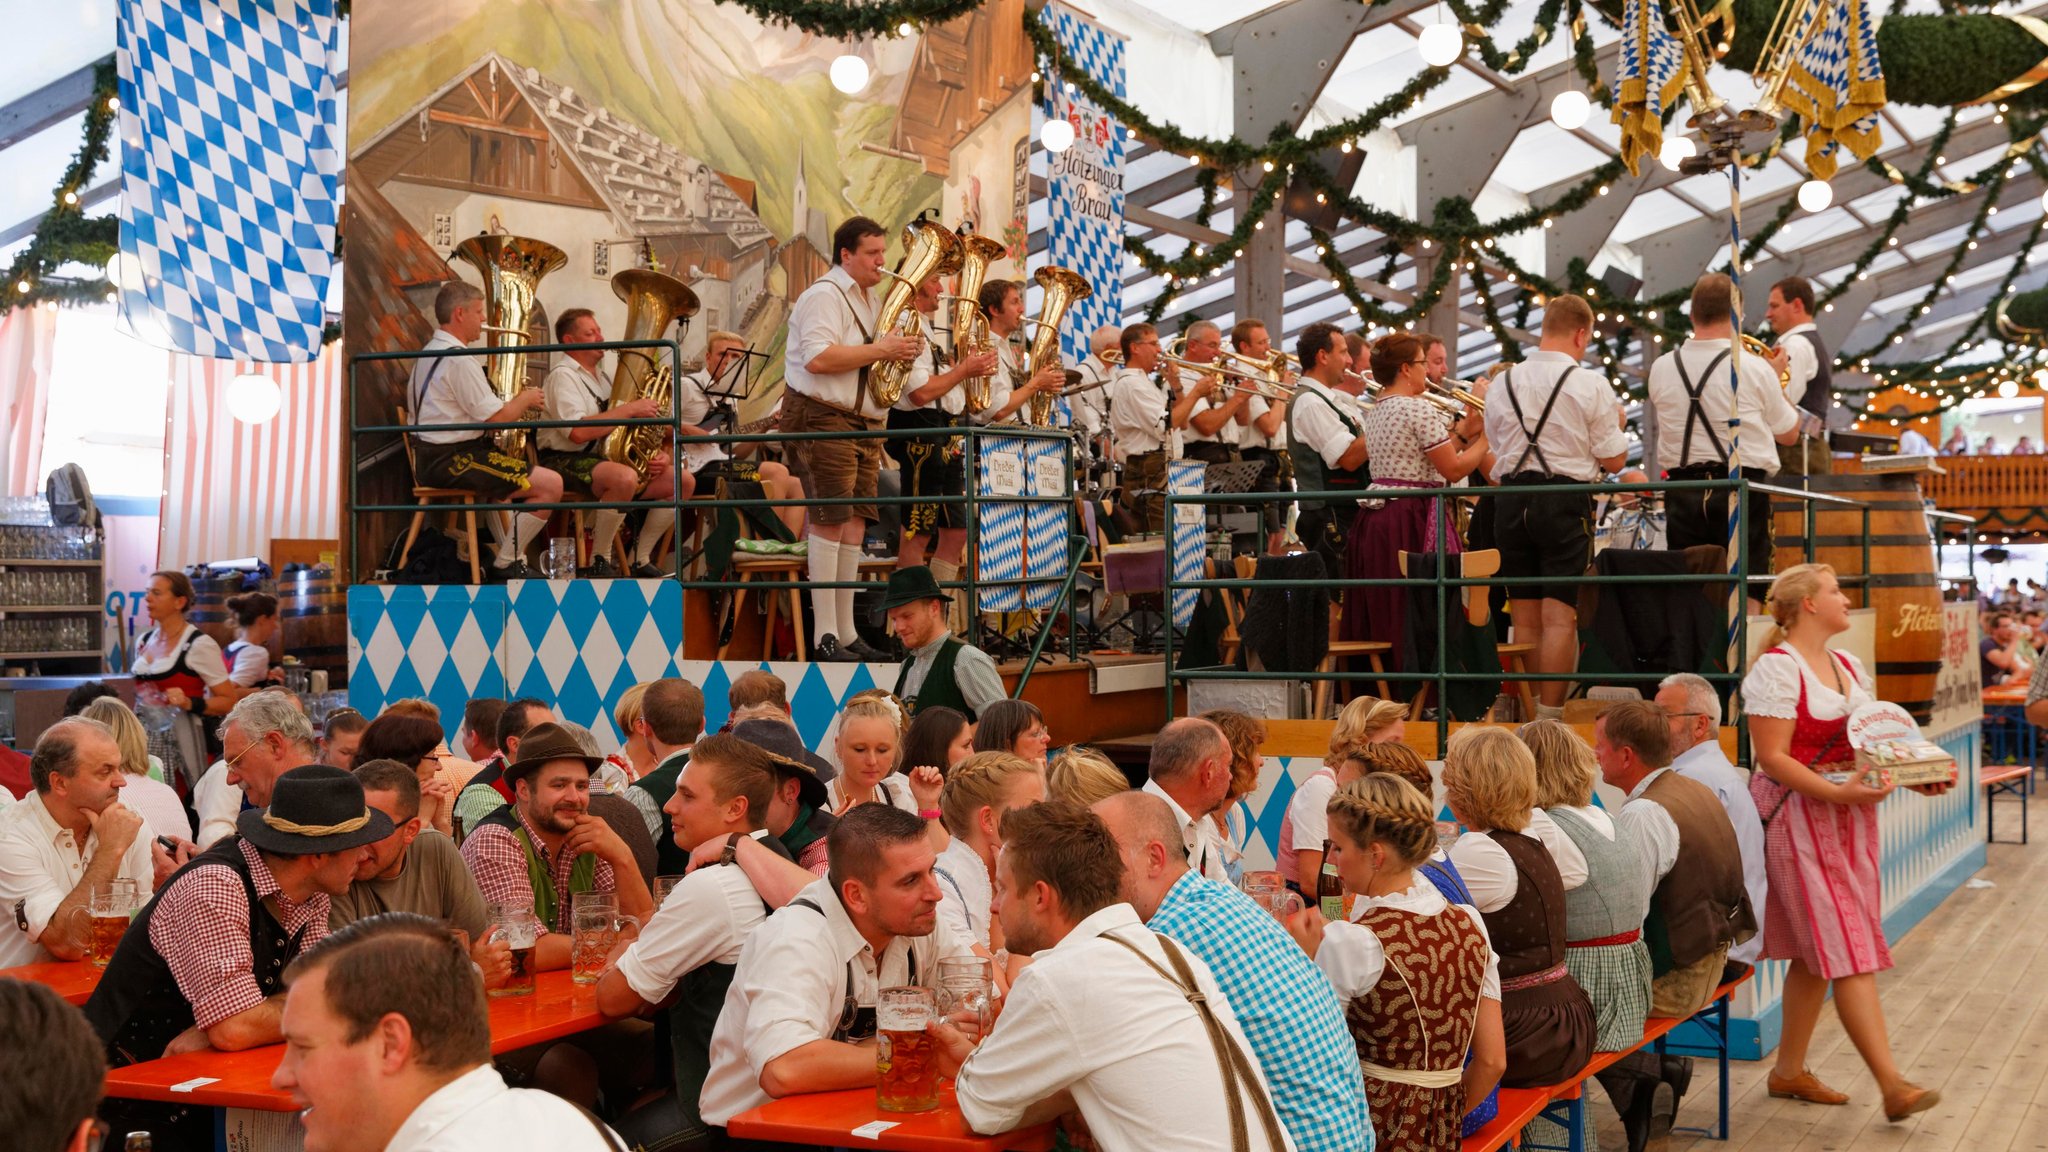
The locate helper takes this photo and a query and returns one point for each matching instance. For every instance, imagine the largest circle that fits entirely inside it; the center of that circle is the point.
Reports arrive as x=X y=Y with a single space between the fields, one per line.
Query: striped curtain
x=230 y=487
x=27 y=338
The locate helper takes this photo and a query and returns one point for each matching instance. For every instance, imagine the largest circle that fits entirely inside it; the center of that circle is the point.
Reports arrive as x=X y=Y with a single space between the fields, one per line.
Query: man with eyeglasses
x=1216 y=424
x=1693 y=709
x=800 y=1013
x=1146 y=419
x=265 y=736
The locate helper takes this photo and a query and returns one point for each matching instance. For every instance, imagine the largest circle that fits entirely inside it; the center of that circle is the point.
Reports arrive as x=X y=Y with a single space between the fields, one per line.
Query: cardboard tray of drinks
x=1887 y=740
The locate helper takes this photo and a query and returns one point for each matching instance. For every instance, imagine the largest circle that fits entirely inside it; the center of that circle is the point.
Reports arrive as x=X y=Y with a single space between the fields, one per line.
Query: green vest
x=548 y=903
x=661 y=784
x=694 y=1016
x=939 y=687
x=1310 y=473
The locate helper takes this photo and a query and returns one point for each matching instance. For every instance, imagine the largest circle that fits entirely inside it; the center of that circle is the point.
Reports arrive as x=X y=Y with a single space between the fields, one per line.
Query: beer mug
x=518 y=927
x=108 y=908
x=1274 y=896
x=596 y=928
x=663 y=885
x=906 y=1063
x=966 y=991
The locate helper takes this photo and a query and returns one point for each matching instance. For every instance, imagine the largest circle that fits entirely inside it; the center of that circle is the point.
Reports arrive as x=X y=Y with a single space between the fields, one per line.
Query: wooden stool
x=1514 y=659
x=1343 y=649
x=782 y=570
x=429 y=498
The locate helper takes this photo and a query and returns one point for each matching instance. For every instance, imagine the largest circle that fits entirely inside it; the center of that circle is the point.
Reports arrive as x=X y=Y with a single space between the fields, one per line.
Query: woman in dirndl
x=1825 y=904
x=1410 y=443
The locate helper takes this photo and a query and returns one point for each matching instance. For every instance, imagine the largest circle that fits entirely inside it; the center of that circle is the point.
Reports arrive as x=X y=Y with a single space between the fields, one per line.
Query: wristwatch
x=732 y=848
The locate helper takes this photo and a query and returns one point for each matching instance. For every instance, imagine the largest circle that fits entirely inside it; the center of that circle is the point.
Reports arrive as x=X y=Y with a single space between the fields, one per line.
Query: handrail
x=1077 y=547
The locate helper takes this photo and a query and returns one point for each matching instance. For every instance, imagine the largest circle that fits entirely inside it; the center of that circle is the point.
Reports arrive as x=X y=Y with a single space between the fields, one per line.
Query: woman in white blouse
x=869 y=732
x=977 y=792
x=256 y=624
x=177 y=666
x=1825 y=904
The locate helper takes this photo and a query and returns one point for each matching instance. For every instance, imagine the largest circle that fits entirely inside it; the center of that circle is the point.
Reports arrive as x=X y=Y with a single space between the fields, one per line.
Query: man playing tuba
x=575 y=391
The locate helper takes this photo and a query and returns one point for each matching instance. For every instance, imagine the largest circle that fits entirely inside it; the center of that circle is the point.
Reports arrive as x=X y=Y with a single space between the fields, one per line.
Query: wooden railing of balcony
x=1972 y=482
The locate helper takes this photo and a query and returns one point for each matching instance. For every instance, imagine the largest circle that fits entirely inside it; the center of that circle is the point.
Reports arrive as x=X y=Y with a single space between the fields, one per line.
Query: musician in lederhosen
x=1551 y=422
x=932 y=398
x=1002 y=301
x=725 y=355
x=1687 y=433
x=1090 y=401
x=1146 y=419
x=575 y=391
x=1214 y=427
x=1264 y=436
x=1326 y=439
x=832 y=344
x=1808 y=382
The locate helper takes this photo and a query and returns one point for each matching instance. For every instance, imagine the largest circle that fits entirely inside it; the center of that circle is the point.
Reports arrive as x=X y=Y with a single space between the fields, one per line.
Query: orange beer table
x=558 y=1007
x=828 y=1119
x=74 y=980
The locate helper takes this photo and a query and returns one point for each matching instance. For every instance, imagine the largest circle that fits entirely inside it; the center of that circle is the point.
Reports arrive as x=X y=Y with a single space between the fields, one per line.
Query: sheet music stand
x=1233 y=476
x=1137 y=570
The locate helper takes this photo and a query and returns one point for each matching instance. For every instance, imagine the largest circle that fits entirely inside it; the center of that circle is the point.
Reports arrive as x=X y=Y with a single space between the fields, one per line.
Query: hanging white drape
x=230 y=487
x=27 y=338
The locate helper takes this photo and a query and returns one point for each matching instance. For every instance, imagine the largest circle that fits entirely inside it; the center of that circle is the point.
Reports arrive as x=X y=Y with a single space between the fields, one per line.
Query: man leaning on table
x=202 y=965
x=1110 y=1020
x=800 y=1015
x=70 y=834
x=389 y=1050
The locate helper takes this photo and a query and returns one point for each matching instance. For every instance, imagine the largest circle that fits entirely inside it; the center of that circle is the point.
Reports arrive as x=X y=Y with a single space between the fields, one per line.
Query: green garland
x=844 y=20
x=66 y=235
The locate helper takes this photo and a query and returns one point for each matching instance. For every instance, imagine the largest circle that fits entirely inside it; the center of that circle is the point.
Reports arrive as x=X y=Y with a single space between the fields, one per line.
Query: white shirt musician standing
x=1552 y=422
x=1002 y=301
x=1145 y=422
x=934 y=397
x=1215 y=427
x=1264 y=436
x=1808 y=379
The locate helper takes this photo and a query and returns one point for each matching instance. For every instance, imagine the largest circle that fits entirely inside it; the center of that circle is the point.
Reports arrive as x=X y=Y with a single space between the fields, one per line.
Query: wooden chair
x=1478 y=601
x=1245 y=568
x=1372 y=650
x=430 y=498
x=783 y=572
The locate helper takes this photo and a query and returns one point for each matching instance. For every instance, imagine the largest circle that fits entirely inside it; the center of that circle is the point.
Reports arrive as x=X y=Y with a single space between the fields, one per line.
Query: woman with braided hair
x=1417 y=978
x=1366 y=720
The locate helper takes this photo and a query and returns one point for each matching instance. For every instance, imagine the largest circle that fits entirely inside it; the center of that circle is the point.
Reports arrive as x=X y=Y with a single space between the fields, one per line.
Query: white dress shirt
x=1705 y=763
x=1091 y=408
x=1138 y=412
x=693 y=407
x=1761 y=407
x=1659 y=830
x=1089 y=1018
x=707 y=916
x=791 y=988
x=476 y=1112
x=1489 y=872
x=458 y=392
x=1912 y=443
x=1352 y=957
x=969 y=895
x=40 y=864
x=832 y=311
x=1230 y=433
x=922 y=369
x=1801 y=364
x=1319 y=427
x=1250 y=436
x=573 y=393
x=217 y=803
x=1198 y=835
x=1584 y=428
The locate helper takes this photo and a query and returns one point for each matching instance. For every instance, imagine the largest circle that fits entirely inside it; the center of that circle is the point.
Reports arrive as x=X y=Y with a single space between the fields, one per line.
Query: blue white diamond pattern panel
x=1000 y=524
x=230 y=162
x=1085 y=183
x=1190 y=534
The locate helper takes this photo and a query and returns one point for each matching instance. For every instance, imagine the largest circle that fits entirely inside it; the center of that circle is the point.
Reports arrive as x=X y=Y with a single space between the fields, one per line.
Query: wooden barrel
x=1901 y=581
x=312 y=611
x=209 y=612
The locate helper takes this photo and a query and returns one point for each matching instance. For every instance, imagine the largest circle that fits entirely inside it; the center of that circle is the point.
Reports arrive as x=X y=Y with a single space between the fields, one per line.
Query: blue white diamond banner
x=1085 y=183
x=230 y=166
x=1000 y=472
x=1189 y=535
x=1045 y=532
x=1648 y=77
x=1836 y=84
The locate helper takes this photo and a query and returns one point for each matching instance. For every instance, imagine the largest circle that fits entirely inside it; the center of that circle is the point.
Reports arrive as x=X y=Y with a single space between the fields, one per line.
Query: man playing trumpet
x=575 y=391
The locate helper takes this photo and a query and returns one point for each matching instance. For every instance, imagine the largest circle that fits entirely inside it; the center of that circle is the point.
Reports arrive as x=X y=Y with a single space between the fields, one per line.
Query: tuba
x=970 y=327
x=1062 y=286
x=928 y=250
x=654 y=300
x=1753 y=346
x=511 y=268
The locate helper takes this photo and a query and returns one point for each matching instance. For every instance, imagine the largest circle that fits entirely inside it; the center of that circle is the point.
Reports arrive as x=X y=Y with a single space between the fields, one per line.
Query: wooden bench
x=1518 y=1106
x=2008 y=780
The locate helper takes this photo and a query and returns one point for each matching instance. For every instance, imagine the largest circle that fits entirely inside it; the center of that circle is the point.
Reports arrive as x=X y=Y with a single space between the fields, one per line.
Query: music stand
x=1137 y=570
x=1222 y=479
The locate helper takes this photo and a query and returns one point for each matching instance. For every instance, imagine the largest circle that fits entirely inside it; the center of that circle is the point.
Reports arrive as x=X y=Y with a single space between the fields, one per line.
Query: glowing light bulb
x=1057 y=135
x=1816 y=195
x=253 y=398
x=1677 y=150
x=850 y=74
x=1441 y=44
x=1569 y=109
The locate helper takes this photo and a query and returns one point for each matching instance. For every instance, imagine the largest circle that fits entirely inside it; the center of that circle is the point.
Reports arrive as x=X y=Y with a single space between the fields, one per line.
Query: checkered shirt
x=1287 y=1010
x=498 y=862
x=201 y=929
x=2037 y=684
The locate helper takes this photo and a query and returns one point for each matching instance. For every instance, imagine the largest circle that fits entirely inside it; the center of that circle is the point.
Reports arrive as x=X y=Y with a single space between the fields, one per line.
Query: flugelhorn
x=654 y=300
x=928 y=250
x=511 y=268
x=970 y=324
x=1062 y=286
x=1756 y=347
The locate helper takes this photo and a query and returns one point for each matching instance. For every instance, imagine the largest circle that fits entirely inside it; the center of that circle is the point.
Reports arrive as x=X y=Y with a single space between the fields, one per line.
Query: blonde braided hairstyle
x=1385 y=809
x=983 y=780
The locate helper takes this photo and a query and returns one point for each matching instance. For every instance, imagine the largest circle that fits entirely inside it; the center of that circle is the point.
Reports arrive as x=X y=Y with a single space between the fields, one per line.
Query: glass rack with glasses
x=51 y=588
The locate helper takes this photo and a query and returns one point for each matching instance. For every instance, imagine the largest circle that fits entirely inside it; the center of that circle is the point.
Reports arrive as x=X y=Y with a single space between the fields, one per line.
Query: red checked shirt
x=201 y=929
x=498 y=861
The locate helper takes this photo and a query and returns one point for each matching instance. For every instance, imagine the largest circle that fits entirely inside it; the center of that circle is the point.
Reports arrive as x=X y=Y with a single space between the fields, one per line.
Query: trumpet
x=1469 y=399
x=1758 y=347
x=1451 y=407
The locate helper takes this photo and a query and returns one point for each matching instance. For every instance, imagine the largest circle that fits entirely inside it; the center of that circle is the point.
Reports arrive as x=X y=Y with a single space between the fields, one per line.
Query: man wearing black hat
x=941 y=668
x=203 y=964
x=545 y=846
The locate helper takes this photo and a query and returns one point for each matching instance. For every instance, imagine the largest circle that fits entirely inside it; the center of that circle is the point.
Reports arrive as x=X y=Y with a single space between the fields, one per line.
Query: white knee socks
x=604 y=532
x=822 y=564
x=850 y=556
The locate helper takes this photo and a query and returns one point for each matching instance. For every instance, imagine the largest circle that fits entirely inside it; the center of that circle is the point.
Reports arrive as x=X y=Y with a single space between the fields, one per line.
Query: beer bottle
x=137 y=1142
x=1330 y=889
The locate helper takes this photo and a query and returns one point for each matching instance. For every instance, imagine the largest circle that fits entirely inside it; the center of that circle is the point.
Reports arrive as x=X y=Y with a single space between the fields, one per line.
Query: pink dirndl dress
x=1825 y=905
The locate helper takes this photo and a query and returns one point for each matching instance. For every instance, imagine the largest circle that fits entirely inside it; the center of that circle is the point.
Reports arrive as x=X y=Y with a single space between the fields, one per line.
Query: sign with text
x=1958 y=690
x=1085 y=183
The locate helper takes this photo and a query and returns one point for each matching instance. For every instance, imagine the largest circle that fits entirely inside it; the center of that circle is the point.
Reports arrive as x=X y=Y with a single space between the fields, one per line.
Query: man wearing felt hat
x=942 y=669
x=203 y=964
x=545 y=846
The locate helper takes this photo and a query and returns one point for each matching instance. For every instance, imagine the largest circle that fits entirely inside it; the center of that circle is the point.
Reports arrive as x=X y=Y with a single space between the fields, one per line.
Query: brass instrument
x=511 y=268
x=928 y=250
x=1113 y=357
x=1449 y=406
x=1794 y=24
x=970 y=323
x=1757 y=347
x=1062 y=286
x=654 y=300
x=1468 y=398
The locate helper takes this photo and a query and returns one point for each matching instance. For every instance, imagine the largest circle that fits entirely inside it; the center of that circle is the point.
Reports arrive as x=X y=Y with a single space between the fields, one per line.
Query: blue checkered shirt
x=1287 y=1010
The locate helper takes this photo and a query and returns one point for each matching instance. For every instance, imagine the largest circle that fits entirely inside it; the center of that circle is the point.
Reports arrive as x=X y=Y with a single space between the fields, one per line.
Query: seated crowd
x=354 y=900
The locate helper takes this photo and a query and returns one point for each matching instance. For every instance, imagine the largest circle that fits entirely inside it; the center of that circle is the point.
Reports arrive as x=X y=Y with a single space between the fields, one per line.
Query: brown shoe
x=1805 y=1086
x=1908 y=1100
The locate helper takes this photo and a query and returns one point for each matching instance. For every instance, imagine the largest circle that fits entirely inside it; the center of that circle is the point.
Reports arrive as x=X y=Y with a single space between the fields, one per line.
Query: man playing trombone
x=1215 y=425
x=1264 y=435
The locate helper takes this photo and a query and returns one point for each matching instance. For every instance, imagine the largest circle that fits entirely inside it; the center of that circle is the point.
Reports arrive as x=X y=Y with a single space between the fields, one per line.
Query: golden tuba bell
x=511 y=268
x=928 y=250
x=970 y=325
x=1062 y=286
x=1753 y=346
x=654 y=300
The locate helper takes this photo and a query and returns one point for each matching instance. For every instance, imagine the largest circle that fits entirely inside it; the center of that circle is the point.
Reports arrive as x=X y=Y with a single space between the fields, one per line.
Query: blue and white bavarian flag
x=1836 y=84
x=1085 y=184
x=1648 y=77
x=230 y=165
